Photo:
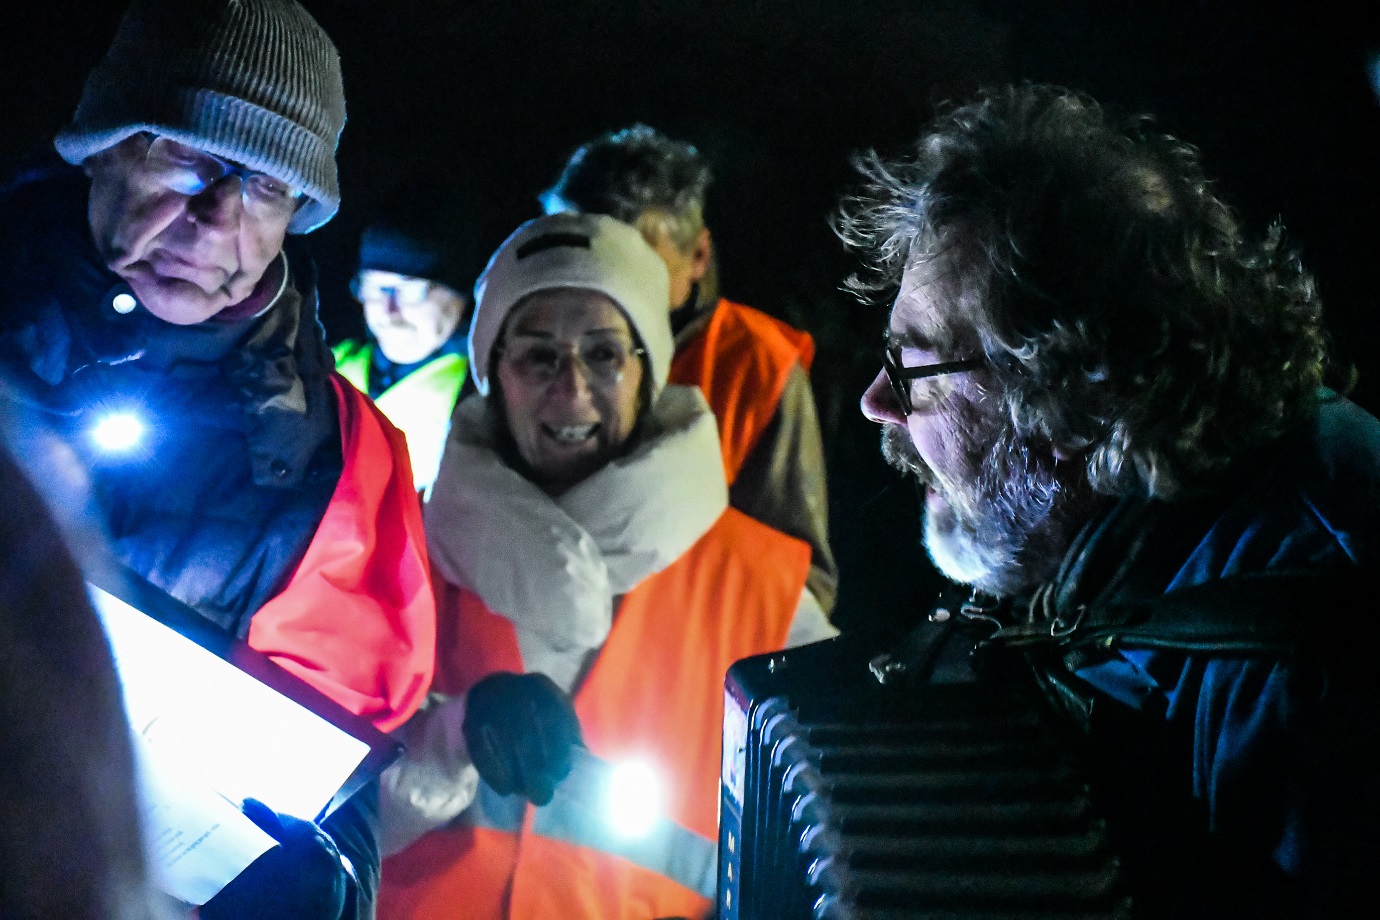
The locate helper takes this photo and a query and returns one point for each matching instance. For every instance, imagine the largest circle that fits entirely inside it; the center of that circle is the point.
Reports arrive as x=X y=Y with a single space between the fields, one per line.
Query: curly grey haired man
x=1113 y=399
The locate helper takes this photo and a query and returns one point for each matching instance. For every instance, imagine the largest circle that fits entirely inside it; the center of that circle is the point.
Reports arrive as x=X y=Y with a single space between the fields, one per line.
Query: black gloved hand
x=521 y=729
x=300 y=879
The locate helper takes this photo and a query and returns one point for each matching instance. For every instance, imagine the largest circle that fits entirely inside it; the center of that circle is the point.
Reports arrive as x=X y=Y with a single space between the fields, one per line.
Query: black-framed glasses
x=901 y=377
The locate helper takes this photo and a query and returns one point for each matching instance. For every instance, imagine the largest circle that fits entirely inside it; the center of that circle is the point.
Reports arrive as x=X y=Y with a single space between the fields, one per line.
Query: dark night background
x=474 y=107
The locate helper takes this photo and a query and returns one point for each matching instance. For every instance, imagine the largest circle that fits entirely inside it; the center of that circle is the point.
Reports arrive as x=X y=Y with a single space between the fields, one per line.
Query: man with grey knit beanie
x=156 y=279
x=184 y=98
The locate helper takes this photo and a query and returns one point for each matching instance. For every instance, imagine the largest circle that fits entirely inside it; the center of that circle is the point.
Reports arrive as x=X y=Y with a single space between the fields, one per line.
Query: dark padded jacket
x=1239 y=782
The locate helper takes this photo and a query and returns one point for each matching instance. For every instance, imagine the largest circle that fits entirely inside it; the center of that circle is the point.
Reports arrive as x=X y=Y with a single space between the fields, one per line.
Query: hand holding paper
x=209 y=736
x=301 y=877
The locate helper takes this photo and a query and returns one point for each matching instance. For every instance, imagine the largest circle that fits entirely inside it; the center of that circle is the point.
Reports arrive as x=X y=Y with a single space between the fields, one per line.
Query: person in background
x=414 y=360
x=1113 y=398
x=597 y=586
x=753 y=368
x=160 y=315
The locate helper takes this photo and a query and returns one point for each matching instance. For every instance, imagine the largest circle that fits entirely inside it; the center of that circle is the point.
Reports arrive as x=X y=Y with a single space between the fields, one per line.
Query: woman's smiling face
x=570 y=377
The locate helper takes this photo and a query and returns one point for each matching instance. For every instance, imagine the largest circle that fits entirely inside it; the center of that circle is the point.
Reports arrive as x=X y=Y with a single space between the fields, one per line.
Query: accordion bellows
x=849 y=798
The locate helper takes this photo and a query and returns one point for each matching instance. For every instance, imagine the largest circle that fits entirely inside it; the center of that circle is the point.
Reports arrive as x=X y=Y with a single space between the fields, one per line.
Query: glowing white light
x=194 y=711
x=634 y=798
x=118 y=432
x=123 y=303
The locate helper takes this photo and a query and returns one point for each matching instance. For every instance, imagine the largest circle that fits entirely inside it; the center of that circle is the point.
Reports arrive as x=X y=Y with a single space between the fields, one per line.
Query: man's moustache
x=899 y=451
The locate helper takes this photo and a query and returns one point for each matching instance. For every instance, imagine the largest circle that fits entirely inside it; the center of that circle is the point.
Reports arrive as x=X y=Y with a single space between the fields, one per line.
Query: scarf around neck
x=553 y=566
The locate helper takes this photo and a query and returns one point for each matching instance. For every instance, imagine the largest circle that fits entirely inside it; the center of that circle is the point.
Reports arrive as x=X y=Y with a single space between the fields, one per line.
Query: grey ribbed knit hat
x=254 y=81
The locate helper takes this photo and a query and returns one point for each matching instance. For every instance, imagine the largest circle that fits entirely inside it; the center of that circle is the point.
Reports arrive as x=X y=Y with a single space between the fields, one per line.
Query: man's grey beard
x=1005 y=531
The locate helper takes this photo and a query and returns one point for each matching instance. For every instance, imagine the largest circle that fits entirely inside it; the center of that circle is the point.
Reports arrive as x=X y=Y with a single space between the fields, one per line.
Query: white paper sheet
x=209 y=736
x=197 y=841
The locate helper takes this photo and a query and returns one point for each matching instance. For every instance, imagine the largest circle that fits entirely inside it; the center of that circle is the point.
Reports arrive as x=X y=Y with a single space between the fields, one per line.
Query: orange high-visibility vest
x=741 y=361
x=358 y=619
x=655 y=692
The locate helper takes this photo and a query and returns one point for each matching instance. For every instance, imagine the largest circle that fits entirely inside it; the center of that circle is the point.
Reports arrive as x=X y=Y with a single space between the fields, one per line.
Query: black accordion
x=853 y=790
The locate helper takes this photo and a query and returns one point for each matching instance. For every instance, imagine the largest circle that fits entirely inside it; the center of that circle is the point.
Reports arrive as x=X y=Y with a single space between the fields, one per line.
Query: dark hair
x=632 y=173
x=1126 y=314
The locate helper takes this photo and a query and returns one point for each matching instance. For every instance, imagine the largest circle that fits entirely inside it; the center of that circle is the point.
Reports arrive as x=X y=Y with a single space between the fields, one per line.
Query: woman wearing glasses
x=596 y=588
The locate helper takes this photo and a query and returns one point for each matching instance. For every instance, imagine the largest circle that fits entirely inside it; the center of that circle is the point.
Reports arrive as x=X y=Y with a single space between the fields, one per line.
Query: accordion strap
x=1266 y=614
x=1263 y=614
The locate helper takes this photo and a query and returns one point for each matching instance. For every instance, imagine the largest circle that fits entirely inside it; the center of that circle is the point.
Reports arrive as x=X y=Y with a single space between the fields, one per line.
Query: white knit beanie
x=589 y=251
x=254 y=81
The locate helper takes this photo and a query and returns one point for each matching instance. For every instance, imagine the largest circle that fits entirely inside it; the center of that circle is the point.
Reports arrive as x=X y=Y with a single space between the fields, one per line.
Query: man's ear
x=701 y=254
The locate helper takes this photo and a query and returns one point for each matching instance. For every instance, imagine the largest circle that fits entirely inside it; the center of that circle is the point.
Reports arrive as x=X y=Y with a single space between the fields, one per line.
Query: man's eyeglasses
x=408 y=291
x=901 y=377
x=539 y=363
x=189 y=171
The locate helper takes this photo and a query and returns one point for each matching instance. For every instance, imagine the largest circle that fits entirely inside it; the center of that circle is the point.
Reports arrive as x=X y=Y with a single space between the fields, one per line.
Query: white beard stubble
x=1005 y=529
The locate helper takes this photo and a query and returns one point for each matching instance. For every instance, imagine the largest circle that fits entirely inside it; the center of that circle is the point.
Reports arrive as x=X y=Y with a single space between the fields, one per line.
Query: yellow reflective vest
x=420 y=404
